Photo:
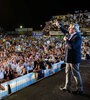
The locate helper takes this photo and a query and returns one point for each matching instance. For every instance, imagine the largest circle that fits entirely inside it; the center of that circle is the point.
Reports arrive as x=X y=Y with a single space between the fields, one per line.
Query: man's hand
x=65 y=38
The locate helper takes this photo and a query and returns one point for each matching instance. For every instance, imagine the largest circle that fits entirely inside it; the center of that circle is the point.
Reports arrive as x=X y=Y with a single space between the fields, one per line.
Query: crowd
x=81 y=18
x=85 y=47
x=22 y=55
x=75 y=18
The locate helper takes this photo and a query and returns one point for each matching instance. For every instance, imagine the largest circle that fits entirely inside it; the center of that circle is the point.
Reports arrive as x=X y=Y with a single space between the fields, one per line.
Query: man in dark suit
x=72 y=57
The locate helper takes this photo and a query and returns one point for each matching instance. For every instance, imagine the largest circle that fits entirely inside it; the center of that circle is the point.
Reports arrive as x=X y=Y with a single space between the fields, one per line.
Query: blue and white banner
x=37 y=34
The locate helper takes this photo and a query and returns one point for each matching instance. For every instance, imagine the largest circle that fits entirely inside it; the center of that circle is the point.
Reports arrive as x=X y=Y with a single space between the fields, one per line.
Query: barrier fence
x=26 y=80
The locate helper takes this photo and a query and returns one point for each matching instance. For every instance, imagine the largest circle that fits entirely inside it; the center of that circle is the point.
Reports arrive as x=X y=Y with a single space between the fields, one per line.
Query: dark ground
x=48 y=89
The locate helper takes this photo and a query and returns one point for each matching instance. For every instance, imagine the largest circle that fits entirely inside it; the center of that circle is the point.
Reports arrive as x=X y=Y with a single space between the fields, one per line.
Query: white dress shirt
x=1 y=75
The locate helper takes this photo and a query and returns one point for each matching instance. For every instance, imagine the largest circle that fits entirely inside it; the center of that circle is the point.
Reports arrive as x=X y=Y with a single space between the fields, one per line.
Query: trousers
x=73 y=70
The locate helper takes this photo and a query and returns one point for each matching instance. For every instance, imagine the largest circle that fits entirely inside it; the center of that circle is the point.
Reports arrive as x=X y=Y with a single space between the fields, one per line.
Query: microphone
x=67 y=35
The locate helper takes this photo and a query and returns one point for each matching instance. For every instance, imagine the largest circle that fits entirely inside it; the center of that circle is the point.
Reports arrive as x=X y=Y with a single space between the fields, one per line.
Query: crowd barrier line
x=19 y=83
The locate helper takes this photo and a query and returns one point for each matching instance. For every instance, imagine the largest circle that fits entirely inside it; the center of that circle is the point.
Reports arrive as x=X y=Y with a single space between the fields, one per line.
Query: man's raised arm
x=61 y=27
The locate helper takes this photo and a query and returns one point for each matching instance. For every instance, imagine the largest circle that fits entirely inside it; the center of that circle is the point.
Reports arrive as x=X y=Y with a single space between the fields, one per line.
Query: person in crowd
x=40 y=67
x=1 y=75
x=1 y=87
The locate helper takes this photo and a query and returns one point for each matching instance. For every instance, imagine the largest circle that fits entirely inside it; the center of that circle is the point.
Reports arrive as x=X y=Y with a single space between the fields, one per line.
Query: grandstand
x=83 y=19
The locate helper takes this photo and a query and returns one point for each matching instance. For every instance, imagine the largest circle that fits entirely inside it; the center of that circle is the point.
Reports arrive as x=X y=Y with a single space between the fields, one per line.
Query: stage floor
x=48 y=89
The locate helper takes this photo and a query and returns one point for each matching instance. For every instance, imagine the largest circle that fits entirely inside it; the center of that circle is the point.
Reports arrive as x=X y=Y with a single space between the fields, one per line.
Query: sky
x=33 y=13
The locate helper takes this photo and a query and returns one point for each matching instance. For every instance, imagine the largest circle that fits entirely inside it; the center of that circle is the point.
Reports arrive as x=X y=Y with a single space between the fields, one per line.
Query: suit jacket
x=73 y=47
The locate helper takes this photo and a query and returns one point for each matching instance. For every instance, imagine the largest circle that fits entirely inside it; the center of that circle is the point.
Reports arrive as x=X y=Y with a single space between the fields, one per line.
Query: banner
x=55 y=33
x=37 y=33
x=23 y=29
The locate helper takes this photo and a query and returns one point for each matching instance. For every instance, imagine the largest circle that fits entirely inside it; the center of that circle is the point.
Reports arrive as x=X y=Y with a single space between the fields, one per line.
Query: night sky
x=33 y=13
